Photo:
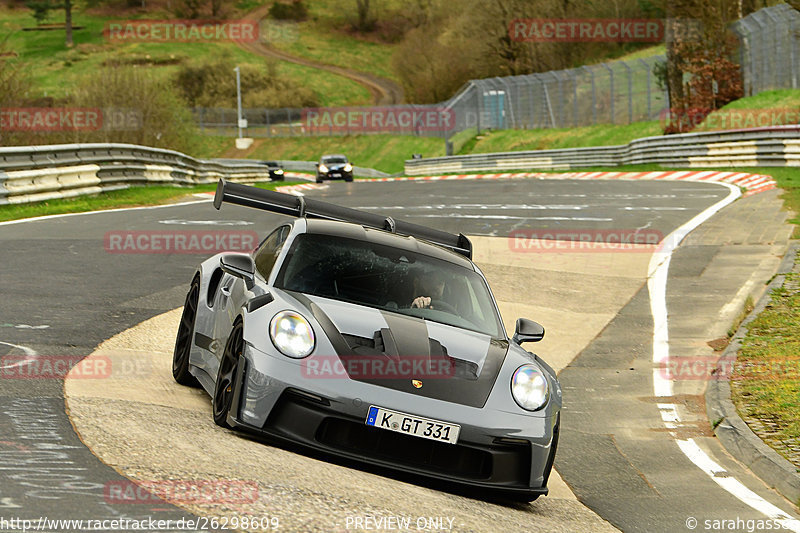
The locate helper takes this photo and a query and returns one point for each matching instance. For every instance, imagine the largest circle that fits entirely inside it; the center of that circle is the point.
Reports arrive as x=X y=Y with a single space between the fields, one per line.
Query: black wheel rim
x=223 y=395
x=183 y=344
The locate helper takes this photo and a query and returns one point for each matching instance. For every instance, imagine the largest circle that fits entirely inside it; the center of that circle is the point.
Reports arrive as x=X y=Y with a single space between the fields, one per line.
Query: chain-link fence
x=769 y=53
x=617 y=92
x=418 y=120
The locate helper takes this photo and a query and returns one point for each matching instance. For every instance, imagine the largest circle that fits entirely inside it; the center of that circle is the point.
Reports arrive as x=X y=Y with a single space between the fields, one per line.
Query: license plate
x=336 y=175
x=426 y=428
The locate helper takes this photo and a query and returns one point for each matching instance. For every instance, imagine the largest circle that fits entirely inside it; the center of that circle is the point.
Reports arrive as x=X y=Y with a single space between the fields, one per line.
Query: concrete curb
x=751 y=183
x=732 y=432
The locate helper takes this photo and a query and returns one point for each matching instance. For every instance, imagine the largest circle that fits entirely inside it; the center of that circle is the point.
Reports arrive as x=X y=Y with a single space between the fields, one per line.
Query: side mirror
x=527 y=331
x=241 y=266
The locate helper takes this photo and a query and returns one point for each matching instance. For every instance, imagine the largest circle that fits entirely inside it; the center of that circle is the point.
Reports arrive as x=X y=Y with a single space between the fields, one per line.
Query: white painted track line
x=658 y=274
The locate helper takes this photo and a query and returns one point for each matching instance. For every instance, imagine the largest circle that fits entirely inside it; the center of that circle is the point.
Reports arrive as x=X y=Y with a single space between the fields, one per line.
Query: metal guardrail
x=775 y=146
x=36 y=173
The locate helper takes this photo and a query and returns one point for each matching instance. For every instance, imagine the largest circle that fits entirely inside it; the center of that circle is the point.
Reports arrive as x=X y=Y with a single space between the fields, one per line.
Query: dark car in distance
x=275 y=170
x=334 y=167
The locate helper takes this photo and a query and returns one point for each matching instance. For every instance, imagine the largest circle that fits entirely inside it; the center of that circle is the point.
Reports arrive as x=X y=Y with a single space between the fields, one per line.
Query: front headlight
x=348 y=167
x=529 y=387
x=323 y=169
x=291 y=334
x=279 y=171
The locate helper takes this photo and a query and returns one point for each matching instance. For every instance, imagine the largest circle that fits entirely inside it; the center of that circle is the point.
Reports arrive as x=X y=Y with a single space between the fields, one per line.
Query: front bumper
x=273 y=399
x=335 y=175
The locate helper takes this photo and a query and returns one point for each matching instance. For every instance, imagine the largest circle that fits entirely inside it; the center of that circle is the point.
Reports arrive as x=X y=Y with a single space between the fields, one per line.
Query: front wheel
x=228 y=367
x=183 y=342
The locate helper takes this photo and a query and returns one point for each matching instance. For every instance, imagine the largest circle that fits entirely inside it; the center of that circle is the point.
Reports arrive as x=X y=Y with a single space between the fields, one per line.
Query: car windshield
x=386 y=278
x=334 y=160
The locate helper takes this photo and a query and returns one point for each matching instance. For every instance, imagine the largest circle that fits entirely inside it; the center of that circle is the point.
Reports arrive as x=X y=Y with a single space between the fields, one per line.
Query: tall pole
x=239 y=101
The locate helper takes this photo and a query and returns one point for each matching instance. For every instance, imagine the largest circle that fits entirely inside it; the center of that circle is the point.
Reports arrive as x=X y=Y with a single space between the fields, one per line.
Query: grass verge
x=382 y=152
x=765 y=385
x=550 y=139
x=132 y=197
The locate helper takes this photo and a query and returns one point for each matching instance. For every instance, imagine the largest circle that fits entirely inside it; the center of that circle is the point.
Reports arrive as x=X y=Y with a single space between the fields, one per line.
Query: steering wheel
x=443 y=306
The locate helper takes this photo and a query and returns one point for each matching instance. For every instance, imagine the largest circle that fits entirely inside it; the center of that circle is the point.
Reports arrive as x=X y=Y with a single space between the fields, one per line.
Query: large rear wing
x=300 y=206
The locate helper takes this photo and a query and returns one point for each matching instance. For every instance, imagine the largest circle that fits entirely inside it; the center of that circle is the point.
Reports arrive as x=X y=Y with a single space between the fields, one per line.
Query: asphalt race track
x=64 y=293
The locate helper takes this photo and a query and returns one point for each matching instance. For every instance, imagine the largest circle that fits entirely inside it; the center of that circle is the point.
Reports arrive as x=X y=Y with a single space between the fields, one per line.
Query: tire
x=228 y=366
x=349 y=179
x=319 y=180
x=183 y=341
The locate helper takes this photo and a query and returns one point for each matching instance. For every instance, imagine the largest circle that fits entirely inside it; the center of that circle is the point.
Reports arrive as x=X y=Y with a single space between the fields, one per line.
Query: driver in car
x=429 y=287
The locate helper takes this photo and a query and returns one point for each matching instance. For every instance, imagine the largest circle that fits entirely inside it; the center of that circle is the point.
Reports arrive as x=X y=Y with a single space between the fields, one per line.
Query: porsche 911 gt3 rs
x=372 y=339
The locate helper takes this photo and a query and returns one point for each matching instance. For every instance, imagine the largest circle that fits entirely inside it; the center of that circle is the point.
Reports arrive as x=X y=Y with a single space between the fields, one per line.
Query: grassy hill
x=326 y=36
x=55 y=69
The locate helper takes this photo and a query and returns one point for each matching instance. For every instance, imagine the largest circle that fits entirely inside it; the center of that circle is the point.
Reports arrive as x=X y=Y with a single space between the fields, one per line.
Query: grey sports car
x=373 y=339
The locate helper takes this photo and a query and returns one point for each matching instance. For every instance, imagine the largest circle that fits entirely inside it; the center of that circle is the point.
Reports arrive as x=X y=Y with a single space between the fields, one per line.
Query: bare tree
x=68 y=22
x=362 y=7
